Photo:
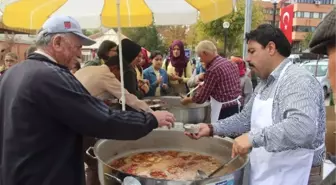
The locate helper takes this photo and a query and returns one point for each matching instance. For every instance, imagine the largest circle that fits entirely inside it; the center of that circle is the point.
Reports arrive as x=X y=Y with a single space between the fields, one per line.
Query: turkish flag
x=286 y=21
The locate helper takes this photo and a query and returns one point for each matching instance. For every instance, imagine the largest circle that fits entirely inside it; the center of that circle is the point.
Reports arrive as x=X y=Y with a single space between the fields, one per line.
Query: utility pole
x=247 y=24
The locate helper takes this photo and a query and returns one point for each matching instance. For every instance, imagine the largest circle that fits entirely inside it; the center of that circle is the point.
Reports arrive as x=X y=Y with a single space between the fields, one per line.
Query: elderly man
x=284 y=122
x=221 y=83
x=46 y=113
x=324 y=42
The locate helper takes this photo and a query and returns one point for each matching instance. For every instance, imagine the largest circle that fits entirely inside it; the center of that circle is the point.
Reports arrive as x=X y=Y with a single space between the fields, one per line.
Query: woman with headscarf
x=245 y=80
x=131 y=53
x=145 y=61
x=141 y=65
x=178 y=67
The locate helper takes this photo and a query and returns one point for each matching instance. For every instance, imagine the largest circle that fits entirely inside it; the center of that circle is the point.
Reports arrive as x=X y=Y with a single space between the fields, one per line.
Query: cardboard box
x=331 y=130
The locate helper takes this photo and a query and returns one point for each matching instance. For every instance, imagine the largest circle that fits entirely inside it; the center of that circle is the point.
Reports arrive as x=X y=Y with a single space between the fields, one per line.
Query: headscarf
x=241 y=65
x=130 y=50
x=180 y=62
x=145 y=58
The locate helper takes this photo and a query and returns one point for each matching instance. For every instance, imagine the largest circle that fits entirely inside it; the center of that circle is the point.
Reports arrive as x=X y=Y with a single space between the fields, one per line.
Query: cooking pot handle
x=88 y=153
x=113 y=177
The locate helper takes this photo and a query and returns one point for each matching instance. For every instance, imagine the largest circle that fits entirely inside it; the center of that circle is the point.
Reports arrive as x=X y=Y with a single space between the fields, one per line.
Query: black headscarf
x=130 y=50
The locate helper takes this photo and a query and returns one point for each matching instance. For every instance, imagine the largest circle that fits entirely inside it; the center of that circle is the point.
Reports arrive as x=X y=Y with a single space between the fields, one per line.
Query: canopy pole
x=247 y=24
x=122 y=99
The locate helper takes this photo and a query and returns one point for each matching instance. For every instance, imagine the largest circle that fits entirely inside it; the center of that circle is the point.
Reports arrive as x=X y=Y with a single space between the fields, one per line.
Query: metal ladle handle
x=89 y=154
x=113 y=177
x=224 y=165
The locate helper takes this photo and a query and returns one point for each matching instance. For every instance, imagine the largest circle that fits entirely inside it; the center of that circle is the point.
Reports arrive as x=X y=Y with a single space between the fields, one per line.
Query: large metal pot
x=192 y=113
x=106 y=151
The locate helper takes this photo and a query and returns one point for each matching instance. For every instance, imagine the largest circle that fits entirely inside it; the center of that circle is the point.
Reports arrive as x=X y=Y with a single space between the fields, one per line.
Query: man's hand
x=201 y=77
x=186 y=100
x=164 y=118
x=241 y=145
x=203 y=132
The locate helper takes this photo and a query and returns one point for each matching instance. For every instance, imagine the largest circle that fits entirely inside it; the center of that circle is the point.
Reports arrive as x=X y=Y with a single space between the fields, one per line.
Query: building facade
x=307 y=15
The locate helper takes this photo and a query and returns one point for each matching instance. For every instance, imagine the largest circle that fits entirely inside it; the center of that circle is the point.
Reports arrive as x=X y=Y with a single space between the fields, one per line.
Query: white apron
x=216 y=107
x=290 y=167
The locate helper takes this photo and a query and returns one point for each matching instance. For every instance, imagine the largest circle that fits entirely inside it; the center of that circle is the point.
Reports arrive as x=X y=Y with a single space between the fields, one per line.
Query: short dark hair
x=266 y=33
x=104 y=48
x=154 y=54
x=30 y=50
x=113 y=61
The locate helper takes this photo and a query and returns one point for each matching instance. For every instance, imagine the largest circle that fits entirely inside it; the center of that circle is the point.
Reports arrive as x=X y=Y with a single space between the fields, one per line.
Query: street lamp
x=274 y=11
x=226 y=26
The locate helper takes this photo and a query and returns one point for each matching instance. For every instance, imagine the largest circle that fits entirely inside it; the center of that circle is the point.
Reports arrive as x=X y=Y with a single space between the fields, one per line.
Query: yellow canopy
x=31 y=14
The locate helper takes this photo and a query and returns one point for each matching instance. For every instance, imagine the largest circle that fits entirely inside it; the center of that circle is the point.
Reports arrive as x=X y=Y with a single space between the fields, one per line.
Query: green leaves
x=147 y=37
x=235 y=40
x=305 y=43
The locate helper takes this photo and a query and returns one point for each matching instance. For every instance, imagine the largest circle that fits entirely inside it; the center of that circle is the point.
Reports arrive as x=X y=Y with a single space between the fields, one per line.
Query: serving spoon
x=192 y=90
x=202 y=175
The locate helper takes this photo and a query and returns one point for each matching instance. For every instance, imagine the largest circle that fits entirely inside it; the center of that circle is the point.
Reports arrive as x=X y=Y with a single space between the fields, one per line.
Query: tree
x=195 y=34
x=89 y=32
x=147 y=37
x=235 y=32
x=304 y=44
x=171 y=33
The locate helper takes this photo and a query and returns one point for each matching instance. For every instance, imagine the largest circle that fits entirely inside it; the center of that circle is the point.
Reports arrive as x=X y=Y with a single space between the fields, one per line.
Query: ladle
x=201 y=174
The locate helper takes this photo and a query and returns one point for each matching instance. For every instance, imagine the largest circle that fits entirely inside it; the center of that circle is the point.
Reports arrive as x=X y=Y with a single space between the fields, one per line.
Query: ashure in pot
x=107 y=151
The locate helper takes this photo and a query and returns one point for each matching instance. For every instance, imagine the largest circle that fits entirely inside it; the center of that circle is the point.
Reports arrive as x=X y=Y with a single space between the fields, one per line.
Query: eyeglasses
x=10 y=60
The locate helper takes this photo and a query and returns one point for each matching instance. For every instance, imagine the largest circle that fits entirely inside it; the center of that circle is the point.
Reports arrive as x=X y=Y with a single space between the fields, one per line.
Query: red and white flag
x=286 y=21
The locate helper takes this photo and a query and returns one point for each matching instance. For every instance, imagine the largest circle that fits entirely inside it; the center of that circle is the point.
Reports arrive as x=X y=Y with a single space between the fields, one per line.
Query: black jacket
x=44 y=112
x=131 y=82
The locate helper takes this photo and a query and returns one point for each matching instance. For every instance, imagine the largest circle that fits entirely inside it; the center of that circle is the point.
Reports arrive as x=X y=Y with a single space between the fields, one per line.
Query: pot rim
x=202 y=105
x=167 y=180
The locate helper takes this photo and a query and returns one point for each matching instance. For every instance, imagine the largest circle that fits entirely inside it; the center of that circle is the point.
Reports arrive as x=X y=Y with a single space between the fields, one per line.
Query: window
x=298 y=14
x=320 y=15
x=306 y=14
x=312 y=15
x=304 y=28
x=321 y=70
x=316 y=15
x=313 y=1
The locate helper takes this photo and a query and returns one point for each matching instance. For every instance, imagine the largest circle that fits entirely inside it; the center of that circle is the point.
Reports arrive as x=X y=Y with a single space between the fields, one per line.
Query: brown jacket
x=102 y=83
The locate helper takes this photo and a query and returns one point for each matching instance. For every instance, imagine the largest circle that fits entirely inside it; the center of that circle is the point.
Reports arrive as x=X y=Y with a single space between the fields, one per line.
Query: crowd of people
x=57 y=109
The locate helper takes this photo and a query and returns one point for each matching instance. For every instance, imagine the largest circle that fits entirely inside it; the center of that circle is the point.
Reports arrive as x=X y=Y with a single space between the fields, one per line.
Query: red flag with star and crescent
x=286 y=21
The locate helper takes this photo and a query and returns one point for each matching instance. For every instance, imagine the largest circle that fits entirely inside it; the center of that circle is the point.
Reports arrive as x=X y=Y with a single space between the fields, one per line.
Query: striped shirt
x=221 y=81
x=298 y=114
